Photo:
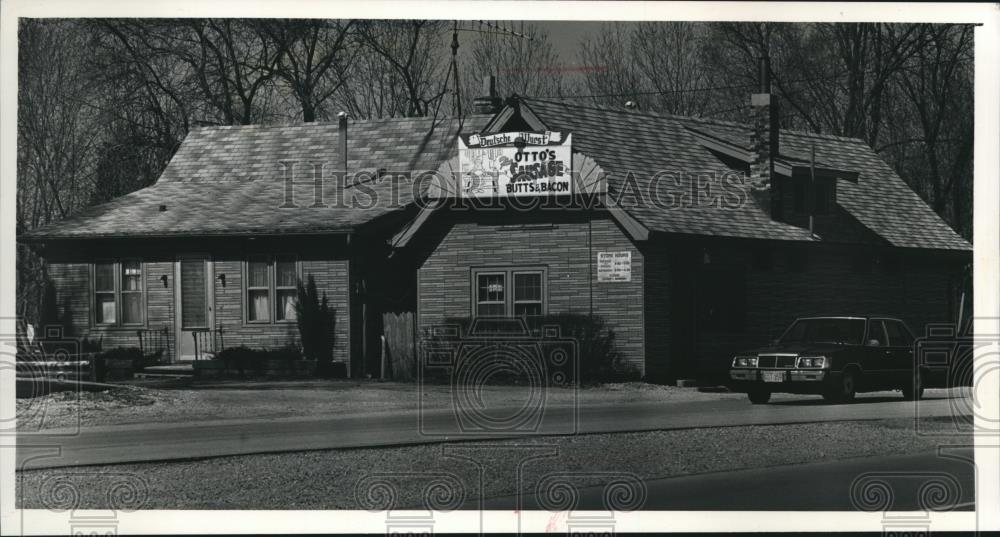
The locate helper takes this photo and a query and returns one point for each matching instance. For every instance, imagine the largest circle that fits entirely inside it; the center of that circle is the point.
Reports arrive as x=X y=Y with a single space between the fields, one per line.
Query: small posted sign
x=614 y=266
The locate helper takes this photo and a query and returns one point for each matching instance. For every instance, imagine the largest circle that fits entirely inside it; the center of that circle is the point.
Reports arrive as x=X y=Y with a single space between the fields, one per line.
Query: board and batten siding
x=566 y=247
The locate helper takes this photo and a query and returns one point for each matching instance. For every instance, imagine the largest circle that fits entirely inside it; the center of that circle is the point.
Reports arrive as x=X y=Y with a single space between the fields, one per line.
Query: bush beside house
x=243 y=361
x=315 y=320
x=587 y=338
x=120 y=363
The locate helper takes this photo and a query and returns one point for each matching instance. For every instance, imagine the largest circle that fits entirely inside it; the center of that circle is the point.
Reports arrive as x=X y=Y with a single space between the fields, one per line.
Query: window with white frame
x=508 y=292
x=270 y=288
x=118 y=293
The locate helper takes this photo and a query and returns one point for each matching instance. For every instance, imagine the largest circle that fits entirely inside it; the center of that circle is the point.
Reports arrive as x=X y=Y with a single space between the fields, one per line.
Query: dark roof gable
x=644 y=144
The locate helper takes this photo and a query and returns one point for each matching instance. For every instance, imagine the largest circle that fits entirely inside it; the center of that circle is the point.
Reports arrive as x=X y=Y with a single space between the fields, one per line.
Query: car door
x=901 y=344
x=876 y=356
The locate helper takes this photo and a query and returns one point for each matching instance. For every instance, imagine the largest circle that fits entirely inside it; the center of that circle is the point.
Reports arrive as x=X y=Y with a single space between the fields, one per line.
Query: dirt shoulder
x=196 y=401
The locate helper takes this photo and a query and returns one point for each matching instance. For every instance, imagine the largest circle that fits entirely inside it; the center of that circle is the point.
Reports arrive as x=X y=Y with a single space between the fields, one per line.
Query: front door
x=193 y=299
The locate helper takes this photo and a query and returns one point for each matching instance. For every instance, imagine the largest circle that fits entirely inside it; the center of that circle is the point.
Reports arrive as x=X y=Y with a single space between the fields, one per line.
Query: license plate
x=773 y=376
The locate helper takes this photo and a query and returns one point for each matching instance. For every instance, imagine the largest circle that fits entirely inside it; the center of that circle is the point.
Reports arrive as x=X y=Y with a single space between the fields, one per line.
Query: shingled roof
x=230 y=180
x=644 y=144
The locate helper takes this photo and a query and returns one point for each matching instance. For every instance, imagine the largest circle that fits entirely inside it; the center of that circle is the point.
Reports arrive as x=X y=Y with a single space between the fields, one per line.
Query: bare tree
x=934 y=148
x=57 y=128
x=148 y=102
x=401 y=74
x=657 y=65
x=228 y=62
x=611 y=74
x=314 y=61
x=524 y=63
x=58 y=133
x=905 y=89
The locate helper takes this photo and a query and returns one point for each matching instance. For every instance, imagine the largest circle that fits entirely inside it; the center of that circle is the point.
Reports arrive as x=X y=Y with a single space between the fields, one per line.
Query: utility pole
x=811 y=189
x=454 y=67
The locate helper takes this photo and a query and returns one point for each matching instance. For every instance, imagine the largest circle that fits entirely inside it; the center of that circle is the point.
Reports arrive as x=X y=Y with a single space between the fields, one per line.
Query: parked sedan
x=835 y=357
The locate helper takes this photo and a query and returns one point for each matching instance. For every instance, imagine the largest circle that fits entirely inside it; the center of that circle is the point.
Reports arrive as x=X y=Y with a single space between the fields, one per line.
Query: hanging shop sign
x=614 y=266
x=515 y=164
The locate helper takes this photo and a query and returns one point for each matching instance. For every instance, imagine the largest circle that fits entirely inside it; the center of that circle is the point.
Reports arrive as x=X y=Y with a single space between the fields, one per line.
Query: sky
x=565 y=37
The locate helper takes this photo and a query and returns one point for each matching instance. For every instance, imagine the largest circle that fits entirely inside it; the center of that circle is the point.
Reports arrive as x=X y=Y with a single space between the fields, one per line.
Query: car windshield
x=842 y=331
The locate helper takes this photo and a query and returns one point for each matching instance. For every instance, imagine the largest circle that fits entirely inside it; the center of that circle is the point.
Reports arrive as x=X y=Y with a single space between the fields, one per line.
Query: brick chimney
x=764 y=142
x=488 y=102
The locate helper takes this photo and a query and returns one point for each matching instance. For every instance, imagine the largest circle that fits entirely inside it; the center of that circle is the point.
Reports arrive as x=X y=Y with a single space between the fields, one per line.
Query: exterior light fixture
x=222 y=278
x=163 y=279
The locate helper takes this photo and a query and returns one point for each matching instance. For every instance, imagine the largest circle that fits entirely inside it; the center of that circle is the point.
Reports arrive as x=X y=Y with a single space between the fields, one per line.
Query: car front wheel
x=759 y=396
x=844 y=390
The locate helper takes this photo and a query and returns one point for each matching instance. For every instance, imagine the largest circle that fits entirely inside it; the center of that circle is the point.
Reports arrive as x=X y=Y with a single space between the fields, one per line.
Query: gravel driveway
x=369 y=478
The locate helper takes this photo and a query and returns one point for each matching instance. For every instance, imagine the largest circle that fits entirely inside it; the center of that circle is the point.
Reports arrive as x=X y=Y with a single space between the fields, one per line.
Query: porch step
x=176 y=369
x=172 y=371
x=141 y=375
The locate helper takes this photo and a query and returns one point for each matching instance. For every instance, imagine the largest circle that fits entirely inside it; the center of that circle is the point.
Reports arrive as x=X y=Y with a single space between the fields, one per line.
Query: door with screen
x=193 y=299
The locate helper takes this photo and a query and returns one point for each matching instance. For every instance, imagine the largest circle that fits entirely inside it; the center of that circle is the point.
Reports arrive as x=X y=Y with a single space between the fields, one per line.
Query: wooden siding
x=566 y=245
x=70 y=267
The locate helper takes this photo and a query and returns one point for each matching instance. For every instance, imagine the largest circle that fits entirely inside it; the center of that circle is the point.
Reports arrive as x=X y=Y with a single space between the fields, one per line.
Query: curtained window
x=106 y=304
x=284 y=288
x=118 y=293
x=131 y=292
x=258 y=291
x=271 y=288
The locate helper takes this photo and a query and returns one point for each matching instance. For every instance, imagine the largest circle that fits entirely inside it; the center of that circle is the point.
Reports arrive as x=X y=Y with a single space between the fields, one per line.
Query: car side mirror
x=874 y=343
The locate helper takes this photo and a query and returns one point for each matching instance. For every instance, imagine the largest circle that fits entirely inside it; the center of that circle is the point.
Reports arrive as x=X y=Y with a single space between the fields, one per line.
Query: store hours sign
x=508 y=164
x=614 y=266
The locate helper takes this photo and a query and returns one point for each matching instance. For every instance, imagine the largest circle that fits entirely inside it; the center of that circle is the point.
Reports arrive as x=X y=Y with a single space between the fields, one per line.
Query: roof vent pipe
x=764 y=75
x=342 y=137
x=488 y=102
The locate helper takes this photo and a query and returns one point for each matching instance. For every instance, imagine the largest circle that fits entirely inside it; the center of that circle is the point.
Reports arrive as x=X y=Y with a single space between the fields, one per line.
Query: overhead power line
x=498 y=28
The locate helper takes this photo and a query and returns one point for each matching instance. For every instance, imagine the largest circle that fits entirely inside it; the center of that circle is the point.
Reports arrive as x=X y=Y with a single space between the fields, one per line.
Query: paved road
x=897 y=483
x=175 y=441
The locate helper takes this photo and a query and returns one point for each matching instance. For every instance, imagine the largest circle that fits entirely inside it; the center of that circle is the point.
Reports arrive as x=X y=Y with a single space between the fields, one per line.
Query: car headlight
x=745 y=361
x=812 y=362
